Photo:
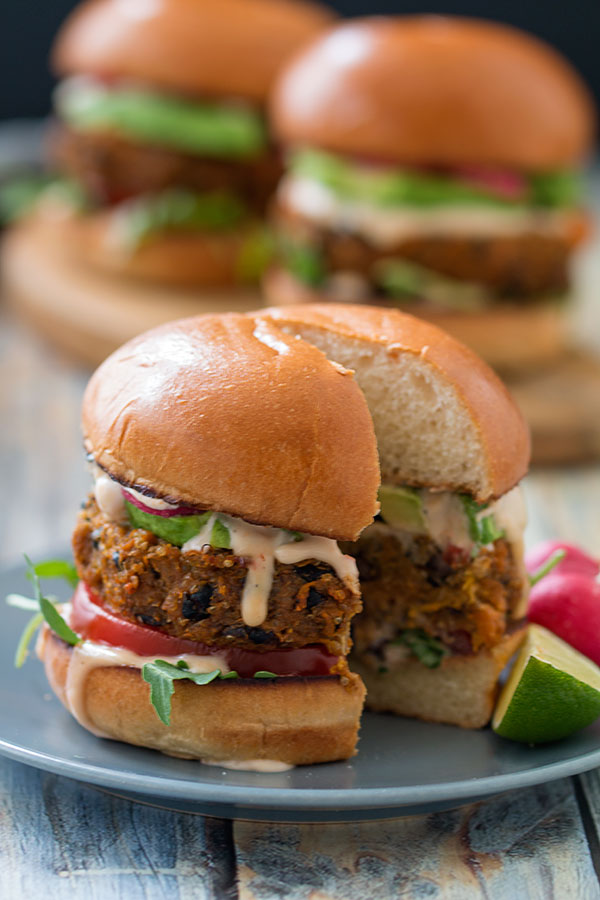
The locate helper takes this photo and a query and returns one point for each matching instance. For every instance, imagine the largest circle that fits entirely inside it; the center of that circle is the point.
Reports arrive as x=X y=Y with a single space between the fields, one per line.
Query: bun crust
x=185 y=259
x=226 y=413
x=462 y=429
x=434 y=90
x=513 y=338
x=461 y=691
x=222 y=48
x=300 y=721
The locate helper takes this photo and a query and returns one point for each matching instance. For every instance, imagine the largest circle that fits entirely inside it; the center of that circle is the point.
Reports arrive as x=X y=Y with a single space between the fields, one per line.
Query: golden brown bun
x=442 y=417
x=445 y=91
x=187 y=259
x=461 y=691
x=223 y=48
x=300 y=721
x=512 y=338
x=226 y=414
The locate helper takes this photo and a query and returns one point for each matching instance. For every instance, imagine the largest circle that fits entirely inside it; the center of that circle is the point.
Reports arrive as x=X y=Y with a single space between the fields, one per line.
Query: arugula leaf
x=49 y=611
x=25 y=639
x=160 y=675
x=57 y=568
x=427 y=649
x=21 y=602
x=219 y=536
x=546 y=567
x=481 y=530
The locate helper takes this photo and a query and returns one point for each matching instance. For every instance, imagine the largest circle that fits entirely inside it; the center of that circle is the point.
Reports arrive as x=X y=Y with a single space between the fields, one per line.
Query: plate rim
x=297 y=799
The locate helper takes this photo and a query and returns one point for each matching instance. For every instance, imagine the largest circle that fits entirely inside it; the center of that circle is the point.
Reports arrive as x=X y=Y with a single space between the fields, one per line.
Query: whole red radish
x=574 y=560
x=569 y=605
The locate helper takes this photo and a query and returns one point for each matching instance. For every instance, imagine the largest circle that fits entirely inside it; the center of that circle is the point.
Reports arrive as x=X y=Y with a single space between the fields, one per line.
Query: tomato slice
x=93 y=622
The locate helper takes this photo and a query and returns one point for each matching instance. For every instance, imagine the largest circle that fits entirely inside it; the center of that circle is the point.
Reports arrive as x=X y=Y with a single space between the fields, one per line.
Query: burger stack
x=162 y=134
x=433 y=165
x=236 y=463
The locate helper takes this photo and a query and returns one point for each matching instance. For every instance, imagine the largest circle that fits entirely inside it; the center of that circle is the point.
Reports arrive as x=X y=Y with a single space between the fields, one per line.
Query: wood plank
x=41 y=454
x=528 y=844
x=62 y=840
x=561 y=404
x=589 y=804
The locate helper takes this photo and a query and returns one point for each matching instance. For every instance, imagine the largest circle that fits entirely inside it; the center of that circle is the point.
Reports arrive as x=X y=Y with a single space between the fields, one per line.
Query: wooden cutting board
x=87 y=313
x=562 y=407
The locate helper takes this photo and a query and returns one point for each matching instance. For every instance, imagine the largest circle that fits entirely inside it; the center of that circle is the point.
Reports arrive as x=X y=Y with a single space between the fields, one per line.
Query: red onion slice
x=165 y=513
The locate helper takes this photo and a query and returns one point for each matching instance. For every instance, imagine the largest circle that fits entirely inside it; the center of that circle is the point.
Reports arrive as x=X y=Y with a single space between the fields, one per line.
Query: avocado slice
x=234 y=131
x=175 y=529
x=401 y=508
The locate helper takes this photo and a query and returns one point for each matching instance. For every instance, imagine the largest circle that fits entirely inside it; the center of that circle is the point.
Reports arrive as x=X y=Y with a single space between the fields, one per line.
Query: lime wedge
x=552 y=691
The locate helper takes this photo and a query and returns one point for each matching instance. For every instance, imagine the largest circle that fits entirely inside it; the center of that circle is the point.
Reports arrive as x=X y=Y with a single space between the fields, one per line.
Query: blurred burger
x=228 y=459
x=162 y=131
x=433 y=164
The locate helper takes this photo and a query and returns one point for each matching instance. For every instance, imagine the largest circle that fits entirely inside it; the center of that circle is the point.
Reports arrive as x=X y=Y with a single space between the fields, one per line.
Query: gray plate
x=403 y=767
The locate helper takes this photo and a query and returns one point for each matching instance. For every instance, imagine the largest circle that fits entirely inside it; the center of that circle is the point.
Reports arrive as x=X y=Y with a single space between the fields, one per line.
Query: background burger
x=162 y=132
x=433 y=164
x=228 y=459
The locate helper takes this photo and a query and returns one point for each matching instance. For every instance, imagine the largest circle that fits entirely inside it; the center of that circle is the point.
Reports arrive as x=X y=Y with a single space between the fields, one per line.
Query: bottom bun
x=510 y=337
x=461 y=691
x=297 y=721
x=202 y=259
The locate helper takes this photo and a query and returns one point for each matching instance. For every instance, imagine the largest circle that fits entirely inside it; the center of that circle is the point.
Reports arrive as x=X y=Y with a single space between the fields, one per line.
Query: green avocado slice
x=174 y=529
x=406 y=187
x=401 y=508
x=175 y=122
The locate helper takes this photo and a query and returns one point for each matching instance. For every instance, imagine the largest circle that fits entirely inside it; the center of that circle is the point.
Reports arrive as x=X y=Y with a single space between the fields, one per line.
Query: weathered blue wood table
x=60 y=839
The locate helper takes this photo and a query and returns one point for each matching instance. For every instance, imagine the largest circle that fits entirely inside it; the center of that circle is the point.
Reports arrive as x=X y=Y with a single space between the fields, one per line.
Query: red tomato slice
x=93 y=622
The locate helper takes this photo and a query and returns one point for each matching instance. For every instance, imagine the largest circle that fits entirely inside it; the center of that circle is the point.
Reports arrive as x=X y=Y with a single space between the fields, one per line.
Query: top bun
x=205 y=47
x=440 y=91
x=230 y=414
x=442 y=417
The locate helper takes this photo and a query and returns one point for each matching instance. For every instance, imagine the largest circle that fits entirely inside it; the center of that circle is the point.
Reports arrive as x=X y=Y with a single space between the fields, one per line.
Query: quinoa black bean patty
x=197 y=595
x=467 y=604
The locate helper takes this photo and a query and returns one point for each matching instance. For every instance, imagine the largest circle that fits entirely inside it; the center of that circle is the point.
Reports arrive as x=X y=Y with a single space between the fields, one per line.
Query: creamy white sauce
x=325 y=550
x=111 y=501
x=510 y=513
x=249 y=765
x=386 y=226
x=109 y=498
x=445 y=519
x=260 y=546
x=87 y=656
x=446 y=522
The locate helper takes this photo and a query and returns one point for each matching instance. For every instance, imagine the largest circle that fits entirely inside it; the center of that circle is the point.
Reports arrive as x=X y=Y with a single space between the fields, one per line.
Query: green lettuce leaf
x=176 y=209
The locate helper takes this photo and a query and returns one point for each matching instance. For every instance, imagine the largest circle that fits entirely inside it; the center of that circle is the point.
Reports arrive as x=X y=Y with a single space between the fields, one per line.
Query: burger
x=442 y=575
x=212 y=616
x=433 y=164
x=162 y=135
x=236 y=463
